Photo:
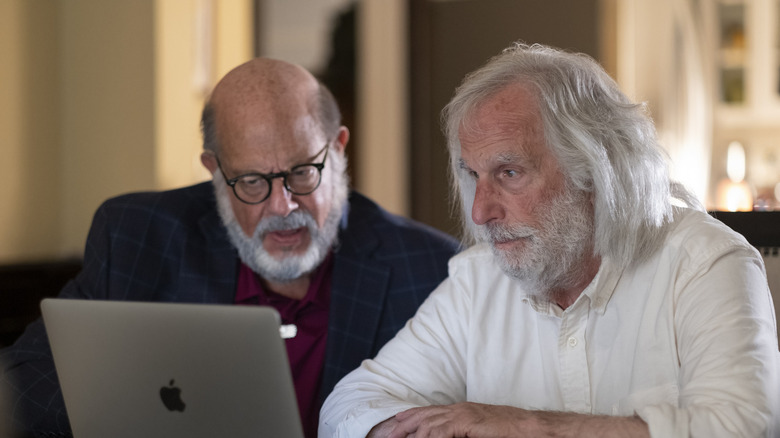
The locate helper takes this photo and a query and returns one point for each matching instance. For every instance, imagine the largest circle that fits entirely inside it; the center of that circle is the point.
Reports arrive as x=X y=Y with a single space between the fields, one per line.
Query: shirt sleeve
x=727 y=351
x=423 y=365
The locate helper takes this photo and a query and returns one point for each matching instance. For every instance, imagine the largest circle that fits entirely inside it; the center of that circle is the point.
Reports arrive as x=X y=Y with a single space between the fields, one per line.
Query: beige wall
x=383 y=168
x=29 y=130
x=102 y=99
x=197 y=42
x=182 y=77
x=107 y=107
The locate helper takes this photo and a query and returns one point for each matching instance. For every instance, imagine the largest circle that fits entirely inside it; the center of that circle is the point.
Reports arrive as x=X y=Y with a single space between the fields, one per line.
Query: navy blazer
x=171 y=246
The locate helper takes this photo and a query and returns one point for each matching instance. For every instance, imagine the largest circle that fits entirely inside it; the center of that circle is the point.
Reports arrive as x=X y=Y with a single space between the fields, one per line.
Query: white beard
x=552 y=255
x=290 y=267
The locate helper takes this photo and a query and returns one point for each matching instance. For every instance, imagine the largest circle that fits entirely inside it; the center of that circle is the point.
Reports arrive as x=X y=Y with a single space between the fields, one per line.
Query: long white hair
x=604 y=143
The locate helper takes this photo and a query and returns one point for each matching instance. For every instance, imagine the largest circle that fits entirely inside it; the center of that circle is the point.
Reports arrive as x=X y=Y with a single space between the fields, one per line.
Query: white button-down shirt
x=686 y=340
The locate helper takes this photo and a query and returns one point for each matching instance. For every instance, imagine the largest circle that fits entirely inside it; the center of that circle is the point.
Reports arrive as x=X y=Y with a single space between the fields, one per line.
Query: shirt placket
x=572 y=354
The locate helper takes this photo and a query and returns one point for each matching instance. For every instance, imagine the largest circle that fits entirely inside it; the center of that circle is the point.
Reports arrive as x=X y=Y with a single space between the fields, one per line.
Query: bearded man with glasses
x=276 y=226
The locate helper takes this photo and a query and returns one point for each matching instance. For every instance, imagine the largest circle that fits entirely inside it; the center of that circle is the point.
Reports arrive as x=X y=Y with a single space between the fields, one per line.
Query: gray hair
x=323 y=105
x=604 y=143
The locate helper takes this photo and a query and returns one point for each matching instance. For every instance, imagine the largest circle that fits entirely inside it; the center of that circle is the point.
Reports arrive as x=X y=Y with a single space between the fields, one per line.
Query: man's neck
x=295 y=289
x=566 y=296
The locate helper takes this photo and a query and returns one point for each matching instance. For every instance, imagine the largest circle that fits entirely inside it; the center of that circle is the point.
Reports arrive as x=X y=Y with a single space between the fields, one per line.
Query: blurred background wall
x=100 y=98
x=103 y=97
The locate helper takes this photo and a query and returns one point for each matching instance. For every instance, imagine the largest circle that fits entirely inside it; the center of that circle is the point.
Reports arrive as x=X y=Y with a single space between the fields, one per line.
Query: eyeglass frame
x=269 y=177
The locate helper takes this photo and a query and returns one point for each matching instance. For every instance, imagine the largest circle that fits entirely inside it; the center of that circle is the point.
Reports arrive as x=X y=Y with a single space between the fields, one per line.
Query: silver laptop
x=133 y=369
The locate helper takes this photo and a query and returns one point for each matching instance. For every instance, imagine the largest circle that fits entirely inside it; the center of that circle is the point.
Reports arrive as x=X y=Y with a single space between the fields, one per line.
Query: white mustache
x=296 y=219
x=496 y=233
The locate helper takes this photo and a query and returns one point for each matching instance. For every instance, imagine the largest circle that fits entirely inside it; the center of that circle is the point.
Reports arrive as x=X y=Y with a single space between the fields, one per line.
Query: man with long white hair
x=600 y=300
x=276 y=226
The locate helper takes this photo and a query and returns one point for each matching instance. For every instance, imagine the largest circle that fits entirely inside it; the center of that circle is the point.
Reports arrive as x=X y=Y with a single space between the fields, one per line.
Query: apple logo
x=171 y=397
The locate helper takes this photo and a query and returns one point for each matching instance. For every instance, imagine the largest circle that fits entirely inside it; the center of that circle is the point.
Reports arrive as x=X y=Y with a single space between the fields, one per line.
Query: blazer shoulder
x=391 y=228
x=191 y=201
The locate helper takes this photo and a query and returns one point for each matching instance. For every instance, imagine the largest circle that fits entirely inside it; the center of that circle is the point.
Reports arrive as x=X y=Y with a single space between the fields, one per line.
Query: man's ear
x=209 y=161
x=342 y=138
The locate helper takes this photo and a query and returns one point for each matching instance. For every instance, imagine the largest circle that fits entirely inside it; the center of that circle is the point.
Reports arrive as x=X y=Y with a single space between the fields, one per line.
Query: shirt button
x=572 y=342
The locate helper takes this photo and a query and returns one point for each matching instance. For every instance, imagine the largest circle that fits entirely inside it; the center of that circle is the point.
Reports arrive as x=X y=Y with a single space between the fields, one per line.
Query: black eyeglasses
x=254 y=188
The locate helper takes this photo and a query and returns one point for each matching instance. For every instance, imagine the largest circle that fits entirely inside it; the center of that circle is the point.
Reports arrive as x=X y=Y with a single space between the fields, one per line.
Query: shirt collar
x=317 y=294
x=603 y=286
x=320 y=276
x=598 y=292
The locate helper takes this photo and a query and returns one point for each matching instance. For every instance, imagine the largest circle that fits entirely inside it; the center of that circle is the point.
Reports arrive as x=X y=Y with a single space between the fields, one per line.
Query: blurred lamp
x=734 y=193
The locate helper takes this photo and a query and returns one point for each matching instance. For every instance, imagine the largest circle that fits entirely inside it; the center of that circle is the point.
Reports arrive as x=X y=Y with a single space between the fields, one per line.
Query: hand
x=471 y=420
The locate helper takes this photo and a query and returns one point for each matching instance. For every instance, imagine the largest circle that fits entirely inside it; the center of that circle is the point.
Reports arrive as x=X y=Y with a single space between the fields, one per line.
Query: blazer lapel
x=358 y=291
x=209 y=275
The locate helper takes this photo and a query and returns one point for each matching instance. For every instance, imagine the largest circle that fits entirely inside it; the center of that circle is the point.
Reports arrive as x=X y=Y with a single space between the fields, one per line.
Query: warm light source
x=734 y=193
x=735 y=162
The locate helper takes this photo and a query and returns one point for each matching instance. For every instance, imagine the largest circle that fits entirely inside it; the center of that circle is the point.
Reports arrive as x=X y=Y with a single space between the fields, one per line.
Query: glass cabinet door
x=733 y=51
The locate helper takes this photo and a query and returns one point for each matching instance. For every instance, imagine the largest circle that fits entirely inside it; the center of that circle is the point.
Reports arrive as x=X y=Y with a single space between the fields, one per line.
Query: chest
x=584 y=361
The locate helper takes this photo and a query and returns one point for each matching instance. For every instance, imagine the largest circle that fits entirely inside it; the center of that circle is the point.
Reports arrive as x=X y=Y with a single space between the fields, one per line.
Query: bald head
x=265 y=84
x=268 y=90
x=264 y=119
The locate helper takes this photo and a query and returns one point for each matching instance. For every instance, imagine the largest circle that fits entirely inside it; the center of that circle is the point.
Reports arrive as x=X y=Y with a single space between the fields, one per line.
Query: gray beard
x=553 y=254
x=288 y=268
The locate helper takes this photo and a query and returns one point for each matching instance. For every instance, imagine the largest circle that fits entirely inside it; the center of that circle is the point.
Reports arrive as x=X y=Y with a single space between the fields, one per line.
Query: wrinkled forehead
x=267 y=118
x=255 y=103
x=512 y=111
x=265 y=88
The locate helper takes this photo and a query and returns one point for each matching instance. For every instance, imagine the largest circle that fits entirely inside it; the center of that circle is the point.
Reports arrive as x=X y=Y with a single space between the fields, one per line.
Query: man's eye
x=511 y=178
x=303 y=171
x=251 y=180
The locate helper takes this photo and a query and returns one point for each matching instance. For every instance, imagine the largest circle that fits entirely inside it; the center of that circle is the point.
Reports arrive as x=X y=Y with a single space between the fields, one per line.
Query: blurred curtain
x=687 y=131
x=667 y=62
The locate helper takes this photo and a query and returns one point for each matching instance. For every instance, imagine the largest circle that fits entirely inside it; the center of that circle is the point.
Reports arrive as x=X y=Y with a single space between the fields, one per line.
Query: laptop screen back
x=131 y=369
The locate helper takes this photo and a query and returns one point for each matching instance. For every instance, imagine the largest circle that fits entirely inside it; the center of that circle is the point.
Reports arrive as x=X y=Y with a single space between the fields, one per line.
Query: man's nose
x=280 y=201
x=487 y=206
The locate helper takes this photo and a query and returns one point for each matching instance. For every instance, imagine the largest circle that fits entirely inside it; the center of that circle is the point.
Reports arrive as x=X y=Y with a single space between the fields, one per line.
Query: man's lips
x=286 y=236
x=505 y=242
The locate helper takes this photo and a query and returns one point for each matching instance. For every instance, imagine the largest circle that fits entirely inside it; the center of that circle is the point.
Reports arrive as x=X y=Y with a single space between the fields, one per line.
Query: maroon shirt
x=306 y=351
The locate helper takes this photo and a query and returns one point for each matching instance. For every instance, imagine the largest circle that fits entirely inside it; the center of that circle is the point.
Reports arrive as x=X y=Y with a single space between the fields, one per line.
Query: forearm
x=480 y=420
x=561 y=424
x=383 y=429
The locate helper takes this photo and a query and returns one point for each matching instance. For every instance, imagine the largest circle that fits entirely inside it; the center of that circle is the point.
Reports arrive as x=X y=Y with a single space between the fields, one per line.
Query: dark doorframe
x=448 y=39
